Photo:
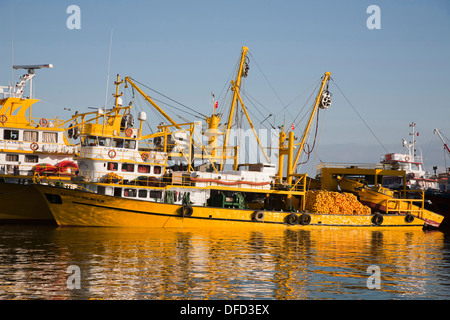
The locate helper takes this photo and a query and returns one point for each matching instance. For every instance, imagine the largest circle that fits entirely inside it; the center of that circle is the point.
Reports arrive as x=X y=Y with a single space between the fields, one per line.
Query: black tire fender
x=304 y=219
x=258 y=216
x=377 y=219
x=292 y=219
x=186 y=211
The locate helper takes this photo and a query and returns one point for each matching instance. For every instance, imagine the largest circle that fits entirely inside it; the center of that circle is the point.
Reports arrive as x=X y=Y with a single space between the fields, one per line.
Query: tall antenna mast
x=109 y=63
x=12 y=50
x=413 y=141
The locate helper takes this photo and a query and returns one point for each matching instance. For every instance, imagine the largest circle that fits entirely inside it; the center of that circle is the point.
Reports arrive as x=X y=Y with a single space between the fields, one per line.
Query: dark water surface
x=46 y=262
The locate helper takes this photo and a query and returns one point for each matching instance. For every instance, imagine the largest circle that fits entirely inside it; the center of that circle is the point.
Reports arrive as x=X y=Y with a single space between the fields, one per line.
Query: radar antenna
x=18 y=90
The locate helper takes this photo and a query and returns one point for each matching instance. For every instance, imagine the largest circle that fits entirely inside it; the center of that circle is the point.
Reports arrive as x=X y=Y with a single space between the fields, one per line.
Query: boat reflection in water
x=139 y=263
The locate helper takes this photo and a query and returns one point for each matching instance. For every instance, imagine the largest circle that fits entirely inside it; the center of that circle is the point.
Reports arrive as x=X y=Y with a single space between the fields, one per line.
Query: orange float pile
x=330 y=202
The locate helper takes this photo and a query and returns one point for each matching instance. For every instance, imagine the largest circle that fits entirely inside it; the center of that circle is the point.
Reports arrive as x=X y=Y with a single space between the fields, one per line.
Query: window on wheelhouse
x=143 y=169
x=155 y=194
x=31 y=158
x=31 y=136
x=156 y=169
x=113 y=166
x=129 y=192
x=11 y=134
x=101 y=190
x=129 y=144
x=49 y=137
x=104 y=142
x=117 y=143
x=12 y=157
x=89 y=141
x=127 y=167
x=117 y=192
x=142 y=193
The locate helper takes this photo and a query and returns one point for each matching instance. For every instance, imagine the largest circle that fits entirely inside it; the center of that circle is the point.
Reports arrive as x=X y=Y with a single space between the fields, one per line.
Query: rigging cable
x=228 y=82
x=360 y=116
x=273 y=89
x=171 y=106
x=315 y=153
x=446 y=153
x=141 y=109
x=281 y=101
x=193 y=110
x=310 y=149
x=442 y=134
x=312 y=107
x=293 y=100
x=249 y=99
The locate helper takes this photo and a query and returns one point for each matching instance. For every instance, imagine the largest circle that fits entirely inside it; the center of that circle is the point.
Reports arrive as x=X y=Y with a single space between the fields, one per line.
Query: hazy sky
x=187 y=49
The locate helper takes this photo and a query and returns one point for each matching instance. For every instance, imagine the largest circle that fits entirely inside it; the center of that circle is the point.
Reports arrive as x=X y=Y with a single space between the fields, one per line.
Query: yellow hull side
x=23 y=204
x=380 y=201
x=78 y=208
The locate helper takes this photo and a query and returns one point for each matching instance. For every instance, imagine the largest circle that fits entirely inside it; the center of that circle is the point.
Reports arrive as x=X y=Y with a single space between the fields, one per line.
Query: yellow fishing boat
x=124 y=183
x=31 y=150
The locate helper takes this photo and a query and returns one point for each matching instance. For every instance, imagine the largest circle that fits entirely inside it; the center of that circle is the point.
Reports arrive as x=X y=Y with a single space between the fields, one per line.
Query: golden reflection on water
x=122 y=263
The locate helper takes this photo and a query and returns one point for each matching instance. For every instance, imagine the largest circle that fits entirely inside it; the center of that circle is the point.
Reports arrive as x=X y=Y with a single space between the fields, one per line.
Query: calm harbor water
x=47 y=262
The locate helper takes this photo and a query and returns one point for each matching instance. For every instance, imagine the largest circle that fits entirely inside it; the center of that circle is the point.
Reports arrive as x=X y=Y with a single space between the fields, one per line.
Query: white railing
x=14 y=145
x=349 y=165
